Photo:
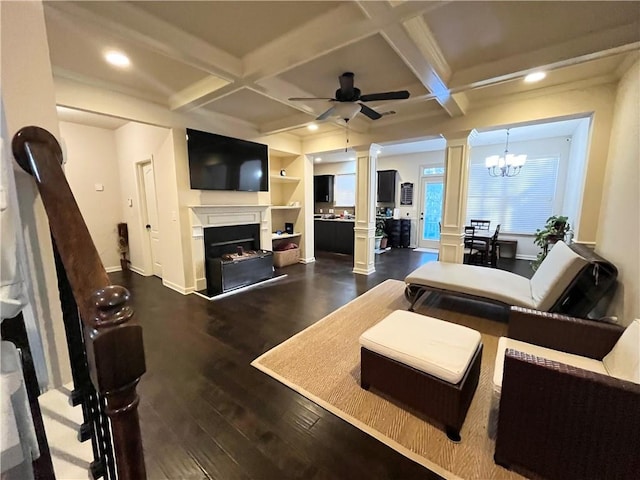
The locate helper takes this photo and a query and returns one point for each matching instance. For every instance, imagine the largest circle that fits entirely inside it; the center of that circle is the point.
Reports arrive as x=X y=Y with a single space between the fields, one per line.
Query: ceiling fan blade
x=371 y=97
x=303 y=99
x=369 y=112
x=346 y=84
x=325 y=115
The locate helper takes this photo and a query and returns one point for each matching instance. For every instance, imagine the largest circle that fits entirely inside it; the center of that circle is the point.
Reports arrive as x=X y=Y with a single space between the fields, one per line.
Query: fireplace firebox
x=233 y=258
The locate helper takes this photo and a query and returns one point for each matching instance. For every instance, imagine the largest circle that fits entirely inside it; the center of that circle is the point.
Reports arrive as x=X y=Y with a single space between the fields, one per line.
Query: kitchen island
x=334 y=235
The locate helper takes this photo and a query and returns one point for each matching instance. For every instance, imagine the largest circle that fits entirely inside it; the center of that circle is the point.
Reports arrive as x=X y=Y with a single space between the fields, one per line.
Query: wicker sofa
x=571 y=280
x=557 y=420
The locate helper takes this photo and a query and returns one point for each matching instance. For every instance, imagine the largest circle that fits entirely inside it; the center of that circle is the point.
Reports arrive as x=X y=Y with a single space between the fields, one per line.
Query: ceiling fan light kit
x=349 y=100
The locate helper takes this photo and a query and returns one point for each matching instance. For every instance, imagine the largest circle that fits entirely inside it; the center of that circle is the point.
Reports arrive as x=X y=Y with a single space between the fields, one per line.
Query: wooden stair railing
x=103 y=339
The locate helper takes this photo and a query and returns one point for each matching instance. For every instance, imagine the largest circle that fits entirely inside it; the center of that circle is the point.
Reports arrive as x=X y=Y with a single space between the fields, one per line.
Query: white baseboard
x=525 y=257
x=361 y=271
x=138 y=271
x=177 y=288
x=113 y=269
x=308 y=260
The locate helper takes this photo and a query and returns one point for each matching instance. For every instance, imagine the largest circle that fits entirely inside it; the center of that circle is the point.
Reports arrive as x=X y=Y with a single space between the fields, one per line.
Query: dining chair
x=494 y=248
x=480 y=224
x=472 y=252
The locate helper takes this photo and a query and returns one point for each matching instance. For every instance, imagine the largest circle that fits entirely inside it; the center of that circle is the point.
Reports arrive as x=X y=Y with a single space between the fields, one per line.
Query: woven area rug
x=322 y=363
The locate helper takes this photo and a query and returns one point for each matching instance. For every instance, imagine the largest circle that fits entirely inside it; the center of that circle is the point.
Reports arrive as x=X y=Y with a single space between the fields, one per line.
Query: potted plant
x=554 y=230
x=380 y=235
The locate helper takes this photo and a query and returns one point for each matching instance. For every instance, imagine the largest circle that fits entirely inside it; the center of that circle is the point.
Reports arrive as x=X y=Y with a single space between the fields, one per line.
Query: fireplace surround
x=204 y=216
x=233 y=258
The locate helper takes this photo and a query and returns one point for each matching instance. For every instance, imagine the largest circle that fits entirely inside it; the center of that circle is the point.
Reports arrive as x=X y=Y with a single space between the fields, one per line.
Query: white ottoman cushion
x=441 y=349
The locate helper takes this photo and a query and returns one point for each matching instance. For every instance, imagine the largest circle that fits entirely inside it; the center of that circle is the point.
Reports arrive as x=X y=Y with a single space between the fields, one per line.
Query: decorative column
x=365 y=225
x=454 y=209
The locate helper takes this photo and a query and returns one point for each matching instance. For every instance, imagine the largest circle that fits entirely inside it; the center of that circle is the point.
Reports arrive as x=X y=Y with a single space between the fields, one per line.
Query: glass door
x=431 y=211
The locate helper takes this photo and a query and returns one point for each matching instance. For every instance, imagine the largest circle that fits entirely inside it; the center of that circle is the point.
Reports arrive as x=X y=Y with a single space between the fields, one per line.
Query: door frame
x=424 y=179
x=143 y=215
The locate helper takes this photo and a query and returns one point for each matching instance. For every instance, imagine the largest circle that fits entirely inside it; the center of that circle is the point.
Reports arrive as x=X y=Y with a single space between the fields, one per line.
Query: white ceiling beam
x=416 y=45
x=573 y=52
x=132 y=23
x=197 y=93
x=65 y=74
x=206 y=96
x=322 y=35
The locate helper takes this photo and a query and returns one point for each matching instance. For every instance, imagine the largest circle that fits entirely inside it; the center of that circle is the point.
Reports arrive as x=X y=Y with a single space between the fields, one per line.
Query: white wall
x=408 y=167
x=619 y=232
x=28 y=99
x=576 y=171
x=175 y=252
x=136 y=142
x=91 y=158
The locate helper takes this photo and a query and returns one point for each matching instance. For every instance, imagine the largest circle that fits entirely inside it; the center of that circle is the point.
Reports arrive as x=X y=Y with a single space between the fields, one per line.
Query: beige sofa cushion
x=623 y=361
x=492 y=283
x=441 y=349
x=504 y=343
x=554 y=275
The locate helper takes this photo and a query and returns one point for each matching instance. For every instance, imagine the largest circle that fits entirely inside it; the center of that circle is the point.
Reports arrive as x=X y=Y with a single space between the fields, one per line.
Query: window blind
x=519 y=204
x=345 y=190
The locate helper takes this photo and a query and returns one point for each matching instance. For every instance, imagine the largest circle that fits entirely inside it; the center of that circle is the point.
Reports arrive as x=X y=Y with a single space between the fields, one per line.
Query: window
x=518 y=204
x=426 y=171
x=345 y=190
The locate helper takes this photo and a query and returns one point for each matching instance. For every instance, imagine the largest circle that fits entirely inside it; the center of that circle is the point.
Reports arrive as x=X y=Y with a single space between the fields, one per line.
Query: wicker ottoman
x=429 y=365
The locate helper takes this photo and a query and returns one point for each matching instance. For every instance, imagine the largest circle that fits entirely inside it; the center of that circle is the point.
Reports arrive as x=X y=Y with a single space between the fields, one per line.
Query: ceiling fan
x=352 y=99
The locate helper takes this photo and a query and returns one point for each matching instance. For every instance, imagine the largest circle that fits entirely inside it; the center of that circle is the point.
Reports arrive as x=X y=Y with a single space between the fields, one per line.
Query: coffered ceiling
x=243 y=60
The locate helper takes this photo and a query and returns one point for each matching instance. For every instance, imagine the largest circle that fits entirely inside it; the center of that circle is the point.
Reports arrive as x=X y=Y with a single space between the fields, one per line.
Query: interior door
x=151 y=225
x=431 y=211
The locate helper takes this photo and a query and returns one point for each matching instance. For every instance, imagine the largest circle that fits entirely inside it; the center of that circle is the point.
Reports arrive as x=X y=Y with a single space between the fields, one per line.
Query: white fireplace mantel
x=204 y=216
x=225 y=215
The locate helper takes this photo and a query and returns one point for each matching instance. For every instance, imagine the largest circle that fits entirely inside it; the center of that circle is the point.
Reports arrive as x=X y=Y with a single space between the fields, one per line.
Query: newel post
x=119 y=363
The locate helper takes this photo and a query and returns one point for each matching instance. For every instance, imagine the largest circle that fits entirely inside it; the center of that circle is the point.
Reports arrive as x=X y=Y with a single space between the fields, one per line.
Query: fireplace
x=233 y=258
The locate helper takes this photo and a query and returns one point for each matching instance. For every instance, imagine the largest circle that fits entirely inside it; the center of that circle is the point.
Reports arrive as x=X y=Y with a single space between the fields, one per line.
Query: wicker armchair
x=560 y=422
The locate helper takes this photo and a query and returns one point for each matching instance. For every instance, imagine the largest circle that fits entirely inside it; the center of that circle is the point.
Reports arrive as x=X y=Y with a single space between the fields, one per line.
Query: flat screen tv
x=217 y=162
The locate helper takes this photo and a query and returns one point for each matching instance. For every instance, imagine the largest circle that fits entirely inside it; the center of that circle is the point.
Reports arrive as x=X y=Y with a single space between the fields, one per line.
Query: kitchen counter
x=352 y=220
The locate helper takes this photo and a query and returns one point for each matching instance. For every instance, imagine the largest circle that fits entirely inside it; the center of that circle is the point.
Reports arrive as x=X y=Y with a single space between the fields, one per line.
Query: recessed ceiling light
x=312 y=126
x=318 y=159
x=117 y=59
x=352 y=158
x=534 y=77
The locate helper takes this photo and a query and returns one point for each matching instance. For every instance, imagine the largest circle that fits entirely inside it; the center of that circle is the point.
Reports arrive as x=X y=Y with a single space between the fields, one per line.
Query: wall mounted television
x=217 y=162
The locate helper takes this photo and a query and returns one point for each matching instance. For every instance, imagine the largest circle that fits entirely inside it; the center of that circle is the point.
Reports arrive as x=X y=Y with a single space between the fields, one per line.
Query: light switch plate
x=99 y=187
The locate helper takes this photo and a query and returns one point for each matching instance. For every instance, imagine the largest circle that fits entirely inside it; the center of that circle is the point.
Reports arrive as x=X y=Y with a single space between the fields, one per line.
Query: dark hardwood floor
x=206 y=413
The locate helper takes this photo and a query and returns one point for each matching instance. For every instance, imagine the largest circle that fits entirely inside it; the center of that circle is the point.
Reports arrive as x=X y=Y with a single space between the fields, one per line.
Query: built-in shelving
x=281 y=179
x=275 y=236
x=285 y=207
x=287 y=202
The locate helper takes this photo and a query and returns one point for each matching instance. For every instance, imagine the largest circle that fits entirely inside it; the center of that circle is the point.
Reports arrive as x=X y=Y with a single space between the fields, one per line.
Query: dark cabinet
x=334 y=236
x=323 y=188
x=387 y=186
x=399 y=232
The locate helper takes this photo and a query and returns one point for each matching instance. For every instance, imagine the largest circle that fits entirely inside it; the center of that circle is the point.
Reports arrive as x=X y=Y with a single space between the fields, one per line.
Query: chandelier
x=507 y=165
